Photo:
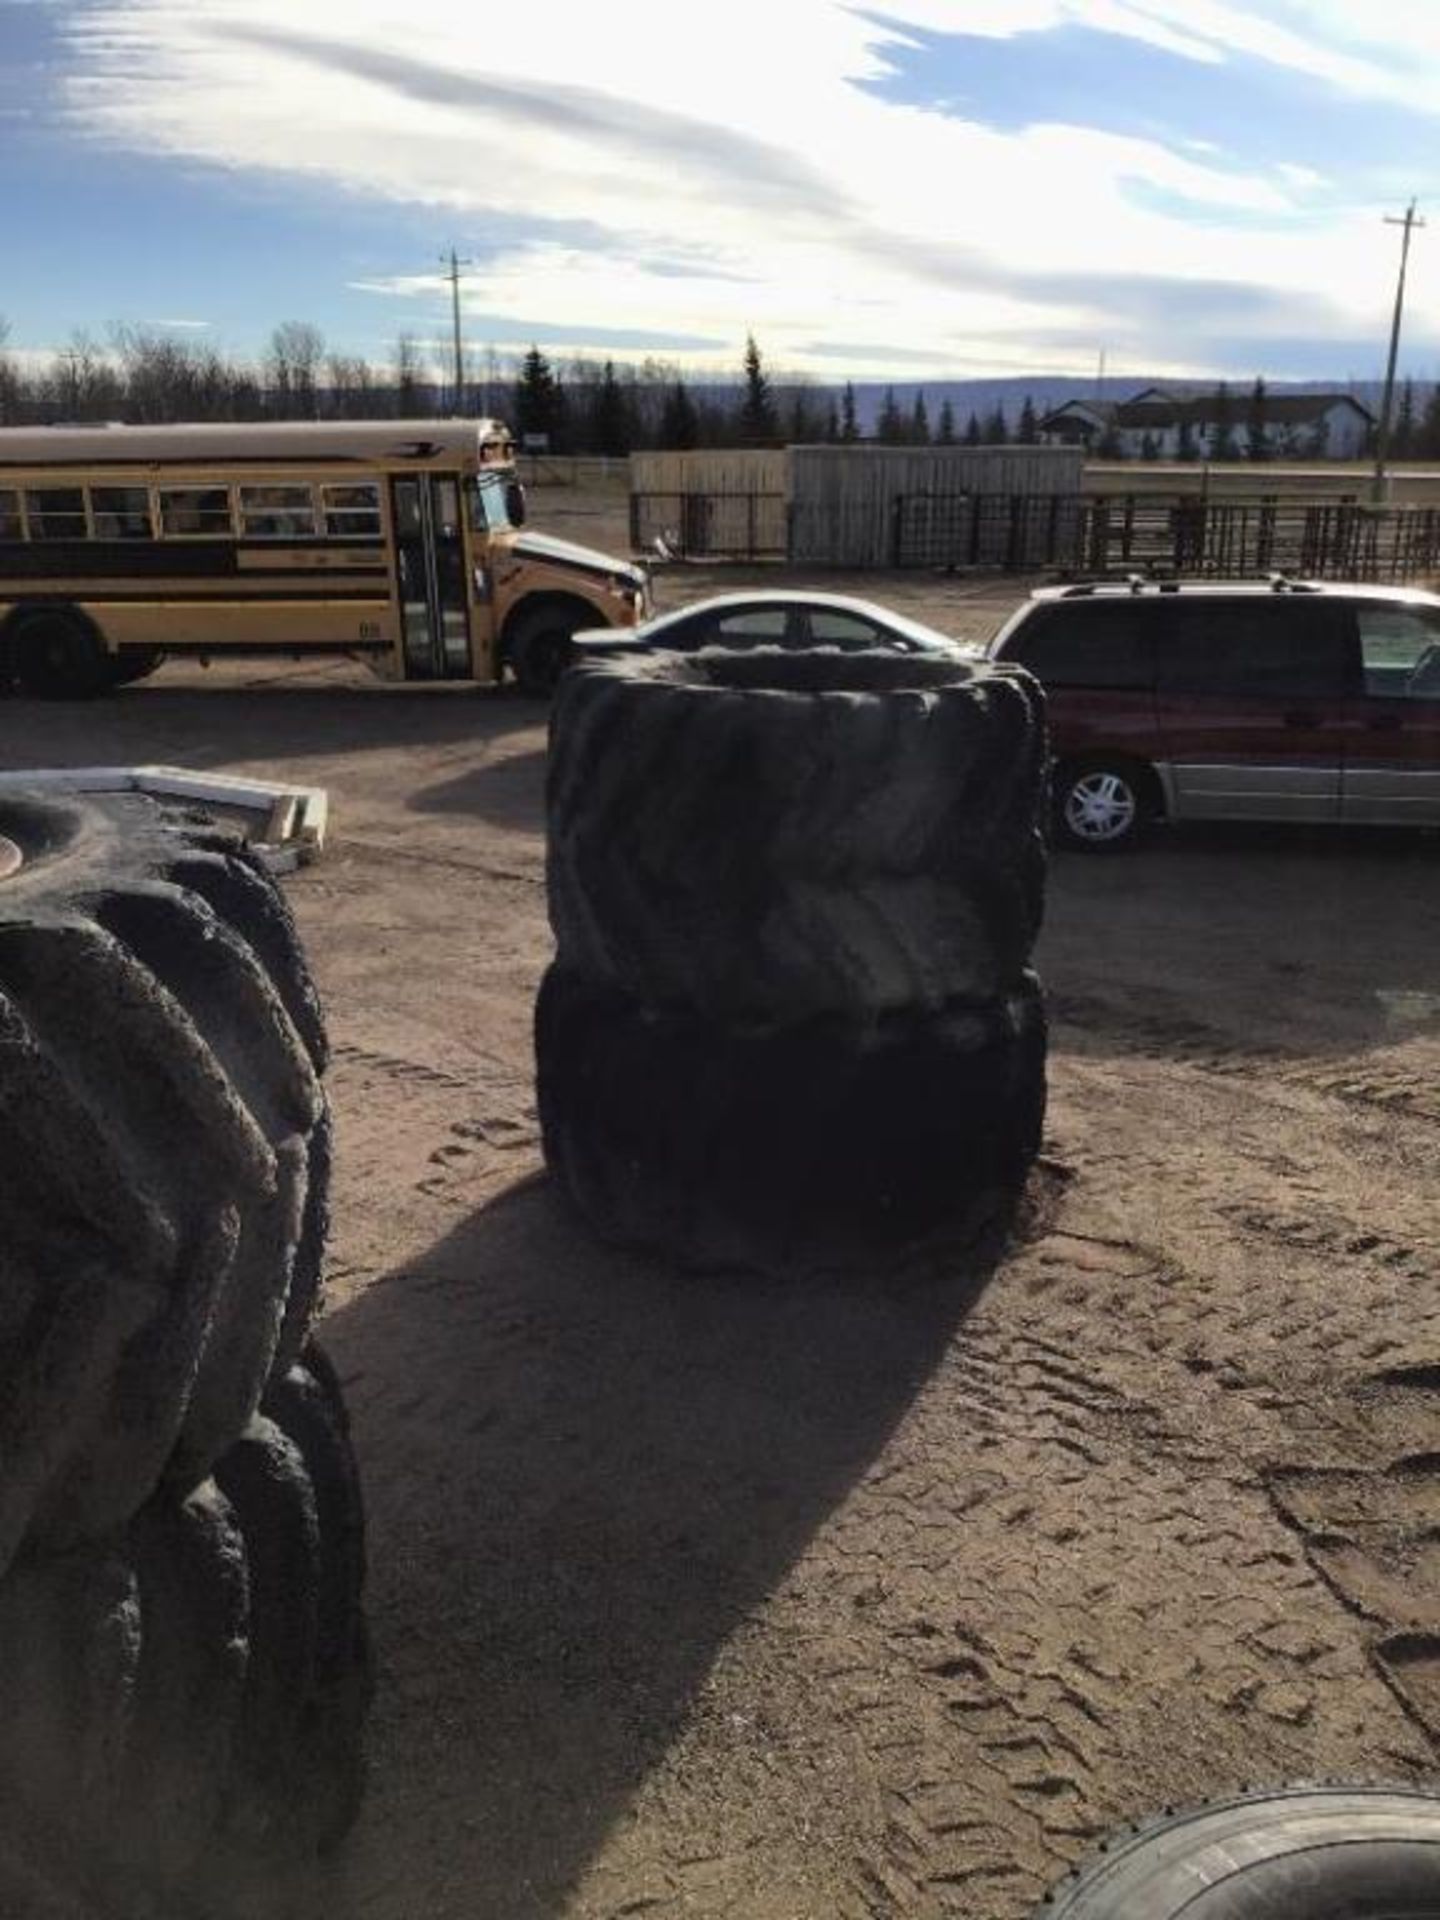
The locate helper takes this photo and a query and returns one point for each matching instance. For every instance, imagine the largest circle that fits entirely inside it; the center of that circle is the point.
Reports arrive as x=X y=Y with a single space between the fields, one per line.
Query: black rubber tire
x=540 y=650
x=70 y=1652
x=182 y=1711
x=775 y=834
x=1101 y=806
x=189 y=1560
x=308 y=1407
x=165 y=1140
x=1307 y=1853
x=826 y=1144
x=57 y=655
x=132 y=664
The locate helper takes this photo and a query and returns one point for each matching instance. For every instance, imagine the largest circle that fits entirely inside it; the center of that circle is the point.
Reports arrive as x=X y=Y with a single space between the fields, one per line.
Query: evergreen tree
x=832 y=421
x=945 y=433
x=1257 y=436
x=1027 y=434
x=1185 y=447
x=758 y=425
x=679 y=426
x=1427 y=444
x=1222 y=425
x=997 y=428
x=889 y=425
x=1402 y=440
x=920 y=422
x=537 y=398
x=973 y=436
x=849 y=431
x=610 y=428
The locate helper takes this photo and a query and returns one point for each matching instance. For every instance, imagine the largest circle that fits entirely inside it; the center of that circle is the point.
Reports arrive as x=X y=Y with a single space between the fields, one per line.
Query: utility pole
x=1382 y=432
x=453 y=276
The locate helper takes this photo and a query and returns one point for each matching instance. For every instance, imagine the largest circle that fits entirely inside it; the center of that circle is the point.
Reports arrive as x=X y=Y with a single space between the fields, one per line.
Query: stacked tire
x=791 y=1020
x=183 y=1665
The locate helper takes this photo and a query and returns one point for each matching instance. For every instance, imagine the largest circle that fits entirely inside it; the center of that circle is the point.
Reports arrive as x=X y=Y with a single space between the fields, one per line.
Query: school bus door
x=430 y=576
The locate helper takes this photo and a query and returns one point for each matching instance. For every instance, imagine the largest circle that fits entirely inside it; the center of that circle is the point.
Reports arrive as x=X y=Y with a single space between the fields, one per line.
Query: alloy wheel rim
x=1101 y=806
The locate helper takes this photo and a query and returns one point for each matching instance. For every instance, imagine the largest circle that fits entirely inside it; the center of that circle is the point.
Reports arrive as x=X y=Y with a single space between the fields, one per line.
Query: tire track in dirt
x=1358 y=1079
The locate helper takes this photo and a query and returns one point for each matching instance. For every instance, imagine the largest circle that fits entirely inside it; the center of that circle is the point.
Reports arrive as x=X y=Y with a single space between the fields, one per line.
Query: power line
x=455 y=264
x=1382 y=432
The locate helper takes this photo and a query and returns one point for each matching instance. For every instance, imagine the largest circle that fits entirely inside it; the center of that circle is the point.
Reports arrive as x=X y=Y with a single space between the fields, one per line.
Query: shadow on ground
x=217 y=725
x=1307 y=940
x=593 y=1469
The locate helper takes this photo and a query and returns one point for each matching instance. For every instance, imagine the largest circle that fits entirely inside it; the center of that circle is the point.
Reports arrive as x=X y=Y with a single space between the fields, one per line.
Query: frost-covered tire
x=825 y=1143
x=164 y=1138
x=1307 y=1853
x=785 y=834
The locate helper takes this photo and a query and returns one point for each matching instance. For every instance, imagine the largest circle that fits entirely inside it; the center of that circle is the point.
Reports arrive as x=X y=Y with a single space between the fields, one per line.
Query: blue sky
x=927 y=189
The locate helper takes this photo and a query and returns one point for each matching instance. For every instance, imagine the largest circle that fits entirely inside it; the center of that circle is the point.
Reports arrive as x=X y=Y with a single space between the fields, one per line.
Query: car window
x=1086 y=643
x=750 y=627
x=831 y=628
x=1400 y=650
x=1266 y=647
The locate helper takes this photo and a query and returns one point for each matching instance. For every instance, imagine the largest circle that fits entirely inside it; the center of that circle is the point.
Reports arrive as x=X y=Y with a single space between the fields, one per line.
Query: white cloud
x=824 y=209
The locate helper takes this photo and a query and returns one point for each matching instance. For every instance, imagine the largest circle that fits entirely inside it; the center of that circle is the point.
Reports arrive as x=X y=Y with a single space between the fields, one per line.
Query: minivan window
x=1087 y=643
x=1399 y=650
x=1258 y=648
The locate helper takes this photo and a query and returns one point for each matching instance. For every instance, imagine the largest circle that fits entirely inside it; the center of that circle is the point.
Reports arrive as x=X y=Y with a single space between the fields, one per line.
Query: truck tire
x=165 y=1141
x=785 y=834
x=825 y=1143
x=182 y=1709
x=307 y=1406
x=1309 y=1853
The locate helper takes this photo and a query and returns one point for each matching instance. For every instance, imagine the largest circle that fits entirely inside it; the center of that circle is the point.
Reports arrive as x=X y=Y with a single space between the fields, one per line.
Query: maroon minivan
x=1277 y=700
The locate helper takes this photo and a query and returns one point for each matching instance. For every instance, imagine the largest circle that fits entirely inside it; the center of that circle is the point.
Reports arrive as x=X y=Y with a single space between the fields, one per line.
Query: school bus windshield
x=489 y=503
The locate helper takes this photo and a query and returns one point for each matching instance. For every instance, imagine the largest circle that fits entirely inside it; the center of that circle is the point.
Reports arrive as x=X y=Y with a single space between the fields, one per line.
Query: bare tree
x=11 y=395
x=408 y=375
x=292 y=367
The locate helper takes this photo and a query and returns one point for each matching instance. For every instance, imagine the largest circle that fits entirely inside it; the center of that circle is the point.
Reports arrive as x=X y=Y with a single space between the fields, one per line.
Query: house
x=1173 y=423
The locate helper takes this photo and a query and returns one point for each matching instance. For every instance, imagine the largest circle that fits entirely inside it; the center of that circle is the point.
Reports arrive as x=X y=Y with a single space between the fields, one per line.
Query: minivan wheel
x=1100 y=806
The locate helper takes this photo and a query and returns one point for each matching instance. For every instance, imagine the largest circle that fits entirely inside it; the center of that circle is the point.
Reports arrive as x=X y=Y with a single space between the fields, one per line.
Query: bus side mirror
x=515 y=503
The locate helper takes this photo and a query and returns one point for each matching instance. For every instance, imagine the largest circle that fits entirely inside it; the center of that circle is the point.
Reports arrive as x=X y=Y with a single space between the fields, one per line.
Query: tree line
x=146 y=376
x=154 y=376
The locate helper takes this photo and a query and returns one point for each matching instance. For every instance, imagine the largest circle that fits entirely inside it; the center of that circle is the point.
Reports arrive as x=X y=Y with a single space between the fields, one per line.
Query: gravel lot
x=708 y=1598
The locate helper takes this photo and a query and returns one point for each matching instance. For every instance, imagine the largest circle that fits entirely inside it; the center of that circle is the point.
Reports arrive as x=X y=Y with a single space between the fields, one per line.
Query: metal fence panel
x=1031 y=532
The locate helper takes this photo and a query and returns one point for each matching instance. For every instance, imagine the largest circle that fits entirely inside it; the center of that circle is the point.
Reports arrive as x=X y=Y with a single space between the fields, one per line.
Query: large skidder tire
x=781 y=835
x=828 y=1143
x=182 y=1709
x=165 y=1142
x=1307 y=1853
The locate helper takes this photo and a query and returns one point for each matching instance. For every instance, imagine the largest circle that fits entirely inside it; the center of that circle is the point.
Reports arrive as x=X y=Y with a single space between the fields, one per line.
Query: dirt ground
x=712 y=1598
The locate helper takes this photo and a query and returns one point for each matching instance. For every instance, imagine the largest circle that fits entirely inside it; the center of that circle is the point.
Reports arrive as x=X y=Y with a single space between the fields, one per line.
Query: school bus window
x=9 y=514
x=277 y=513
x=120 y=513
x=352 y=512
x=195 y=510
x=55 y=513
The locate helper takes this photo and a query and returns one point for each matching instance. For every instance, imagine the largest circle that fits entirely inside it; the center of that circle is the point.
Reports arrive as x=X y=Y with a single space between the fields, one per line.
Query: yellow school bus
x=398 y=542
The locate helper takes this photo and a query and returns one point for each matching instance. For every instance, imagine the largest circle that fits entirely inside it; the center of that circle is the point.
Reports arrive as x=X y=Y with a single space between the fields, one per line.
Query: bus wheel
x=58 y=656
x=540 y=653
x=131 y=663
